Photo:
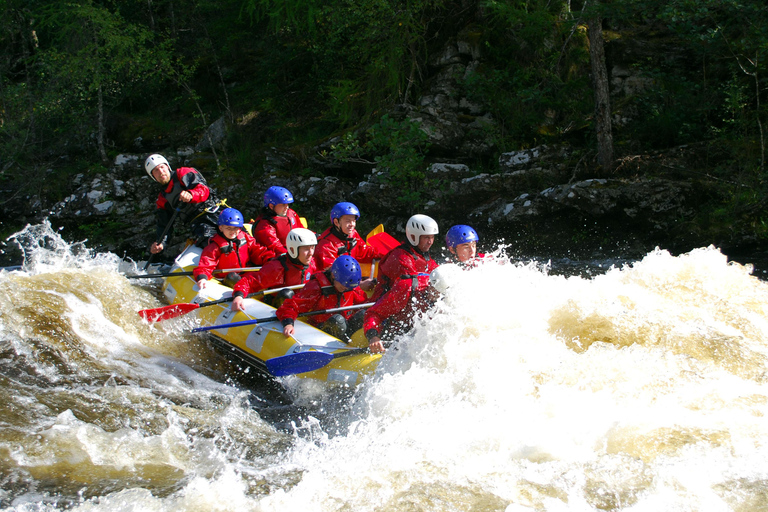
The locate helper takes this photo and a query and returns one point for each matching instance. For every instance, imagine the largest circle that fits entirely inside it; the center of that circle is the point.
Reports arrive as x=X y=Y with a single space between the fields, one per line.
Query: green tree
x=535 y=75
x=92 y=60
x=732 y=34
x=361 y=54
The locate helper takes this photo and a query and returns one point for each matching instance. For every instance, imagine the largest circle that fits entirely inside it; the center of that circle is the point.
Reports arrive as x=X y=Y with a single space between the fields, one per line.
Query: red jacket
x=333 y=243
x=403 y=260
x=189 y=179
x=271 y=230
x=224 y=253
x=319 y=293
x=281 y=271
x=398 y=306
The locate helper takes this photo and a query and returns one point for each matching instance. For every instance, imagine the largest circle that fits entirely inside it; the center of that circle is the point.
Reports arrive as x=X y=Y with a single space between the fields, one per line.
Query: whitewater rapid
x=640 y=389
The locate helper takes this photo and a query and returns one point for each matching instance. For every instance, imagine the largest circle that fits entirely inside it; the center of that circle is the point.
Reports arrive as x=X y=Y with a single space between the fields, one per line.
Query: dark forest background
x=84 y=81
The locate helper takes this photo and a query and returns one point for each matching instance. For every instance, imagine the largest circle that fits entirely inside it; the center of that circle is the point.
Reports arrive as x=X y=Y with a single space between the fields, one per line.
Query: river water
x=643 y=388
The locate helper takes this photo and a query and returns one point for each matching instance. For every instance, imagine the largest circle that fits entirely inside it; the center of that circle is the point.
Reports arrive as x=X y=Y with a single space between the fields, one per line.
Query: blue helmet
x=344 y=209
x=231 y=217
x=346 y=270
x=277 y=195
x=460 y=234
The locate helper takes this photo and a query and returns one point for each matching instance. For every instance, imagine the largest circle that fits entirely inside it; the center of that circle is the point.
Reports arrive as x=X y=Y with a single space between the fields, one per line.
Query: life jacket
x=331 y=244
x=190 y=180
x=402 y=260
x=271 y=230
x=223 y=253
x=319 y=293
x=276 y=273
x=294 y=271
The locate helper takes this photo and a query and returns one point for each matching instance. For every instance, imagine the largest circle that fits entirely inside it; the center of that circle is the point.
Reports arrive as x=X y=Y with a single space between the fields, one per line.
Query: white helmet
x=419 y=225
x=153 y=161
x=298 y=237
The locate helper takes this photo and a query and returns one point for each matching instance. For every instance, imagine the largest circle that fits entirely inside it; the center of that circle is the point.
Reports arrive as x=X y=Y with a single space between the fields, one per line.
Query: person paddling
x=184 y=190
x=231 y=247
x=289 y=269
x=275 y=220
x=335 y=288
x=411 y=257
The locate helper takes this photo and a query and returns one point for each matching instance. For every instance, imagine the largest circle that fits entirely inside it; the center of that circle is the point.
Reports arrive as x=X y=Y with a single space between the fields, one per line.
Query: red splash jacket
x=402 y=260
x=397 y=307
x=281 y=271
x=221 y=252
x=319 y=293
x=271 y=230
x=183 y=178
x=333 y=243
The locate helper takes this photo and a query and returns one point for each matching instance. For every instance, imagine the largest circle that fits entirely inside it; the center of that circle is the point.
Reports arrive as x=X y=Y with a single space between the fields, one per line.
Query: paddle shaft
x=176 y=310
x=162 y=237
x=273 y=318
x=191 y=272
x=262 y=292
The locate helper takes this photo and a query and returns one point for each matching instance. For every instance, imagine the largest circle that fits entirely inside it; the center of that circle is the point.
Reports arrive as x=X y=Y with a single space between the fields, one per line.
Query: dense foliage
x=86 y=78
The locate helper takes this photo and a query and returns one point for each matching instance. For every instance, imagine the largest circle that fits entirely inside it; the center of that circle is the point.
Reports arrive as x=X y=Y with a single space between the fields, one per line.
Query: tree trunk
x=101 y=129
x=602 y=93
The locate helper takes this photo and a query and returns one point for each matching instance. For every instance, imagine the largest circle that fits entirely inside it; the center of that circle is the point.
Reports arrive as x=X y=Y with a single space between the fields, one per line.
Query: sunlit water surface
x=641 y=389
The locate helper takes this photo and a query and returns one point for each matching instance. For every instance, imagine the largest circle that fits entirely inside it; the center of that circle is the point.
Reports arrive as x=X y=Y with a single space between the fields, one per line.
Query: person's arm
x=372 y=329
x=195 y=188
x=266 y=234
x=258 y=254
x=388 y=305
x=242 y=289
x=363 y=252
x=397 y=263
x=372 y=325
x=208 y=261
x=301 y=302
x=359 y=296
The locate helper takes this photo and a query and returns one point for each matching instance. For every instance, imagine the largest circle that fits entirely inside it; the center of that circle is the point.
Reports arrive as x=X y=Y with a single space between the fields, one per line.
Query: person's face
x=229 y=232
x=305 y=253
x=465 y=252
x=425 y=242
x=346 y=224
x=162 y=174
x=280 y=209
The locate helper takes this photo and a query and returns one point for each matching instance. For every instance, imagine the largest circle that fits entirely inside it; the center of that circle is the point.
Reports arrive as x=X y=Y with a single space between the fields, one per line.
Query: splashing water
x=640 y=389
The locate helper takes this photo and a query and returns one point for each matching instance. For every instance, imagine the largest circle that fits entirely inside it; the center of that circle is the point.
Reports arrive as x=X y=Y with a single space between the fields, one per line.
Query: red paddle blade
x=166 y=312
x=384 y=242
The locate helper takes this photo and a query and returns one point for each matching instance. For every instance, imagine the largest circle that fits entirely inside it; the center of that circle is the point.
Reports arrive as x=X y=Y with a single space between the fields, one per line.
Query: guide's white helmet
x=153 y=161
x=419 y=225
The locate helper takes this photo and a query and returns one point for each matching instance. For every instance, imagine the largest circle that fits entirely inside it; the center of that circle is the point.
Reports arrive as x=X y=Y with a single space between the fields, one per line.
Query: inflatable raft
x=259 y=345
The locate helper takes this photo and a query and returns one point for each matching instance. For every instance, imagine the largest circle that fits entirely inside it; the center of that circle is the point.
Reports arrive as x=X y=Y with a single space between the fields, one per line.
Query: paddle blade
x=300 y=362
x=375 y=231
x=166 y=312
x=384 y=242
